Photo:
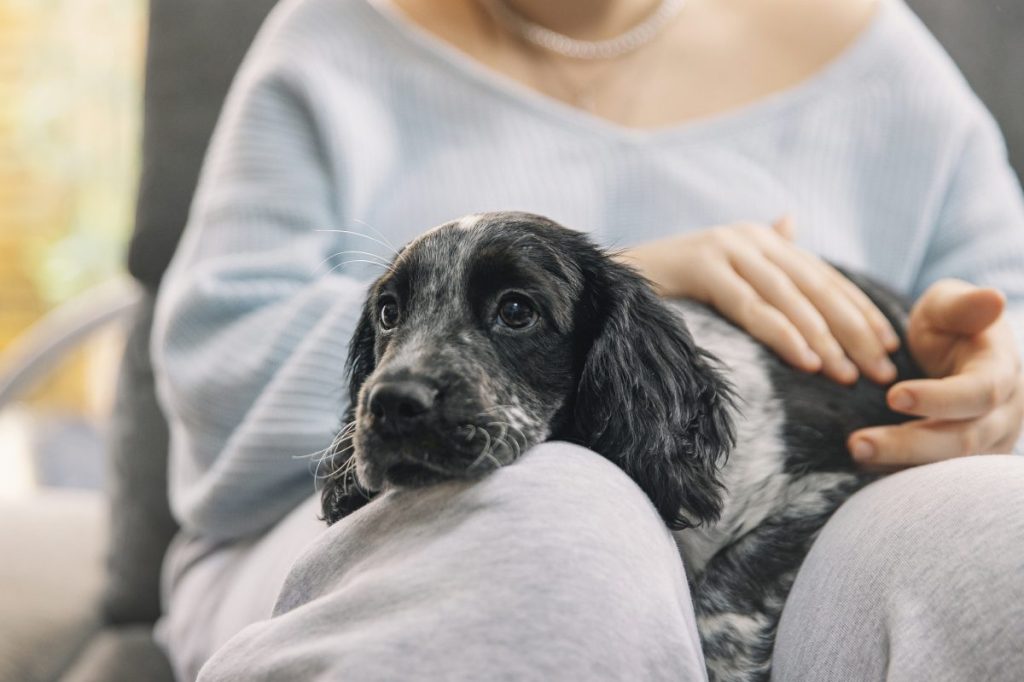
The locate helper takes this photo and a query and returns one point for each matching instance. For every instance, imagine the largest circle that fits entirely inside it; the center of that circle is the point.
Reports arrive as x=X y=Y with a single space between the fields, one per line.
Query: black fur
x=648 y=398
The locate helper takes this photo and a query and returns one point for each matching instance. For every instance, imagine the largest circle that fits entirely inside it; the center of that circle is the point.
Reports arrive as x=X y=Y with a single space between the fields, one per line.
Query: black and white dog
x=496 y=332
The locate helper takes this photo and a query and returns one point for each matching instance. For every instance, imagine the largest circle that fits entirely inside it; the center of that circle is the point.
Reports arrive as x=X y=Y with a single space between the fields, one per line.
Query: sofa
x=79 y=575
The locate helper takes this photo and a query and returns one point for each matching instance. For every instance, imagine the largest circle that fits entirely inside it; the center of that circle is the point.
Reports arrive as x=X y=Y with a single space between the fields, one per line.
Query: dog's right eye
x=389 y=313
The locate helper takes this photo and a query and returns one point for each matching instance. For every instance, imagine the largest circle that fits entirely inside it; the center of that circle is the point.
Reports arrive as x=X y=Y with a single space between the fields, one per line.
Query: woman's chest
x=629 y=191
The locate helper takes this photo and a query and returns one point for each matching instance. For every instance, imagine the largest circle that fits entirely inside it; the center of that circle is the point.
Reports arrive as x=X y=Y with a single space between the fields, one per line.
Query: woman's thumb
x=961 y=308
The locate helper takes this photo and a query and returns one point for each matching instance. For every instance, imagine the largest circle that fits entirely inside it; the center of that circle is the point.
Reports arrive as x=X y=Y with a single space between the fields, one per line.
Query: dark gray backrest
x=194 y=49
x=986 y=39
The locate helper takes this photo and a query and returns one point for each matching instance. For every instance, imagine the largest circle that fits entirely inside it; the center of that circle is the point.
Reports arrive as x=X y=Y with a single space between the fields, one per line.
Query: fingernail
x=891 y=340
x=811 y=358
x=862 y=450
x=902 y=401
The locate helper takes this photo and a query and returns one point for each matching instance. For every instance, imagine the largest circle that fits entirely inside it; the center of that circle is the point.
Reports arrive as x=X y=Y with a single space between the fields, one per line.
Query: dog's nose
x=398 y=404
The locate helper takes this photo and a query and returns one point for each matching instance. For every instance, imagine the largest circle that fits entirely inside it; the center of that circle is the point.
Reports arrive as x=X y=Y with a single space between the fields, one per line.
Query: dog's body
x=497 y=332
x=786 y=474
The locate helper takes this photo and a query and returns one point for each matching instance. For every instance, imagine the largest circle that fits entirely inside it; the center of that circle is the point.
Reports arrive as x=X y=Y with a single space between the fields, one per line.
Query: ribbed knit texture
x=345 y=116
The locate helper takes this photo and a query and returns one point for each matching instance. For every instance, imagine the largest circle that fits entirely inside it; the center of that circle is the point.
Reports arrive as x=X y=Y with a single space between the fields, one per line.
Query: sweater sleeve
x=979 y=236
x=252 y=322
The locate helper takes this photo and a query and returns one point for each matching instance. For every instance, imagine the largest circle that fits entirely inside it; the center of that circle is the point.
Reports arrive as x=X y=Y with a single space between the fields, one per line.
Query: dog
x=499 y=331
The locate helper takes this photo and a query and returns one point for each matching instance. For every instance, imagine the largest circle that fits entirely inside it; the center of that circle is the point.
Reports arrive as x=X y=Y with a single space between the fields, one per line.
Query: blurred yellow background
x=70 y=113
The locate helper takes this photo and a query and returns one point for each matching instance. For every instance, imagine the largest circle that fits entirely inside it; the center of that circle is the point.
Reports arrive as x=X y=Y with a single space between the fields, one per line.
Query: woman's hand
x=975 y=401
x=787 y=298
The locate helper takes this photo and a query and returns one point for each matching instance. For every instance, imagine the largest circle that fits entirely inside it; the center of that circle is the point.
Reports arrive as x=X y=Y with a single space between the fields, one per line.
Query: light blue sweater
x=346 y=117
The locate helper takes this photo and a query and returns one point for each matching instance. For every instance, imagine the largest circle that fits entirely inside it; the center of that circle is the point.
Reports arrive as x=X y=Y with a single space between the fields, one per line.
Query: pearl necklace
x=559 y=43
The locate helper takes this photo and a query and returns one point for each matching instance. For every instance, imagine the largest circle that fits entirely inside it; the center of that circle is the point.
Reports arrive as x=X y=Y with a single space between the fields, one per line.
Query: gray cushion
x=51 y=574
x=125 y=654
x=194 y=49
x=986 y=39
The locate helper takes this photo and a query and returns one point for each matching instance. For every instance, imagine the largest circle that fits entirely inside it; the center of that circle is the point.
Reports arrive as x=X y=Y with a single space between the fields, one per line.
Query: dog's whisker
x=359 y=260
x=514 y=434
x=352 y=252
x=345 y=431
x=315 y=453
x=331 y=453
x=484 y=452
x=342 y=264
x=379 y=233
x=489 y=451
x=365 y=236
x=497 y=464
x=326 y=452
x=486 y=412
x=503 y=425
x=345 y=469
x=337 y=472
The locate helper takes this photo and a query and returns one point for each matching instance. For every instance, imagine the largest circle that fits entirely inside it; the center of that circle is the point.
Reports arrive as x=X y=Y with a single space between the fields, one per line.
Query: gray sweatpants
x=558 y=568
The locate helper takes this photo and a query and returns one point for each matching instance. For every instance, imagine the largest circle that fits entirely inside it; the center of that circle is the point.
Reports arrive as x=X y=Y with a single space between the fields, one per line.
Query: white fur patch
x=754 y=479
x=468 y=222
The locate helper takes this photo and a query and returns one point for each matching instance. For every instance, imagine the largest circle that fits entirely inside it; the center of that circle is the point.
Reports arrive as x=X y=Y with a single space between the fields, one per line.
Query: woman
x=702 y=140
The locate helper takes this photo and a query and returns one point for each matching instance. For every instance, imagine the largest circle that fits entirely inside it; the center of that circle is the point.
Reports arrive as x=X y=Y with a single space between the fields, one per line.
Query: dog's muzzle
x=408 y=436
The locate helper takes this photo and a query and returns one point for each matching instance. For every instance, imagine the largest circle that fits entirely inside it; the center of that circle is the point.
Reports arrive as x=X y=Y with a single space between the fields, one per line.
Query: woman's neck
x=585 y=19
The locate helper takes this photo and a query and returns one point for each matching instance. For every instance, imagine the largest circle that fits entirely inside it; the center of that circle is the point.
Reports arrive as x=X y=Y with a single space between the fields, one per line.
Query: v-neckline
x=497 y=84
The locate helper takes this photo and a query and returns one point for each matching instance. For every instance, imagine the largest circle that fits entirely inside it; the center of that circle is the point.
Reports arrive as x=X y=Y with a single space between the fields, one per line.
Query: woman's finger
x=776 y=288
x=958 y=307
x=847 y=323
x=981 y=387
x=737 y=300
x=878 y=321
x=785 y=227
x=929 y=440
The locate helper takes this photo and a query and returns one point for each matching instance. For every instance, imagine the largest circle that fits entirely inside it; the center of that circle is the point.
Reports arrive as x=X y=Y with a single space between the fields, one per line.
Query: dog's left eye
x=516 y=311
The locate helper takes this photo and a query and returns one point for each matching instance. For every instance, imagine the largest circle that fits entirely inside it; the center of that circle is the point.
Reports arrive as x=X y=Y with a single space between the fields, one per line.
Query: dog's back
x=788 y=472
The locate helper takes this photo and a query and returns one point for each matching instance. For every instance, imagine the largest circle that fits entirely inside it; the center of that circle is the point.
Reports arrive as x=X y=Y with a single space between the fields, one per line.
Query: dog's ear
x=341 y=493
x=648 y=398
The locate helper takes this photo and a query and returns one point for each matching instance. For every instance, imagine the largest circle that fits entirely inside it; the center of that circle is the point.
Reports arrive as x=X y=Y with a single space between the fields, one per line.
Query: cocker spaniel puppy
x=494 y=333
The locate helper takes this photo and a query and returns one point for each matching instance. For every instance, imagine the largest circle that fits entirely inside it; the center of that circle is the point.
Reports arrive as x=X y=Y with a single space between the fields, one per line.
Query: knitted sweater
x=349 y=130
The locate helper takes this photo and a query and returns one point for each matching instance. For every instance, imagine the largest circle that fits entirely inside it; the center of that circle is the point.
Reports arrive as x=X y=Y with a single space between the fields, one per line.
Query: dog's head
x=494 y=333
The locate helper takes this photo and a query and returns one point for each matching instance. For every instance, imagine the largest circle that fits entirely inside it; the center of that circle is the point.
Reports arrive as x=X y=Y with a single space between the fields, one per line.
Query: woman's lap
x=918 y=576
x=559 y=566
x=212 y=592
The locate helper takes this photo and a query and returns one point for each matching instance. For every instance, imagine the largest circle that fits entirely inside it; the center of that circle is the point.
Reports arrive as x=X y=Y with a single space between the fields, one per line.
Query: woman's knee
x=561 y=483
x=559 y=554
x=919 y=569
x=933 y=515
x=563 y=502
